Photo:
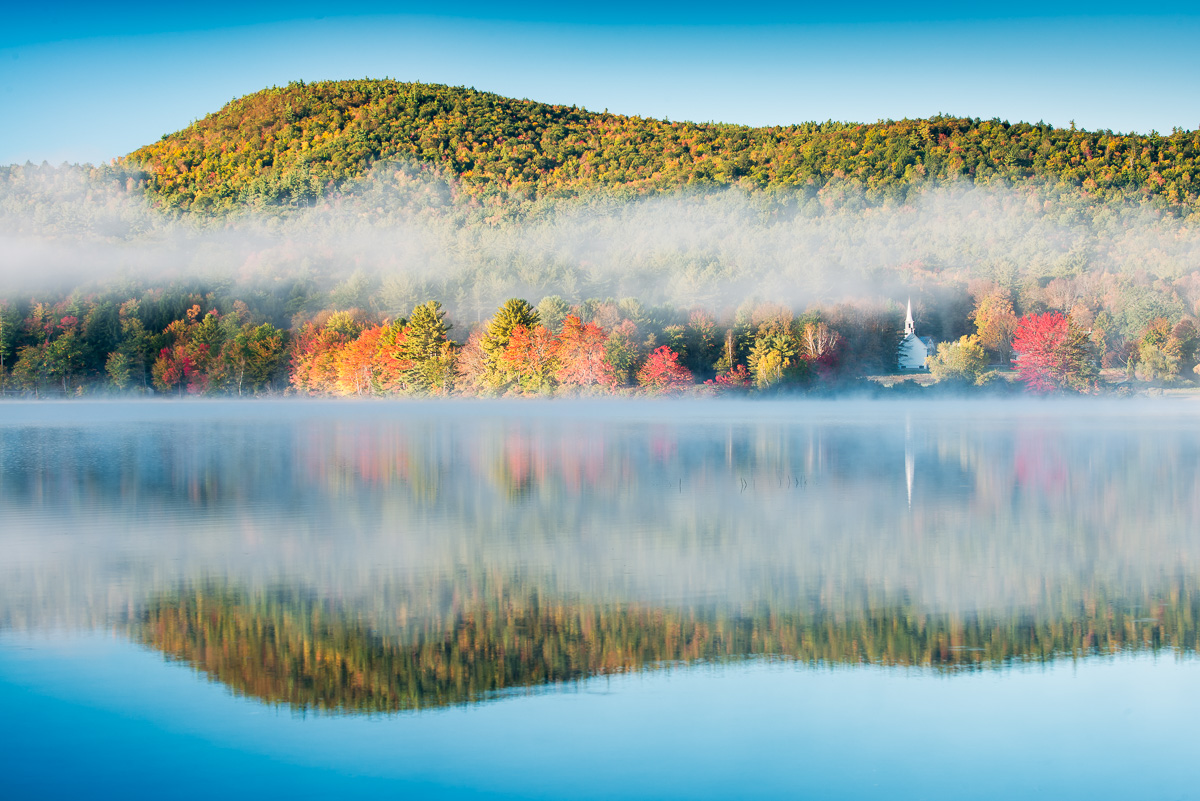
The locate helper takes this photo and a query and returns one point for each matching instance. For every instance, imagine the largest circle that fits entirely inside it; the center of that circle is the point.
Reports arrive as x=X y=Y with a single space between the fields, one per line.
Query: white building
x=913 y=350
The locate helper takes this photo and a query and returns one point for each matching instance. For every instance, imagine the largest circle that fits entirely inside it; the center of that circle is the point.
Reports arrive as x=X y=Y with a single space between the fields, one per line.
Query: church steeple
x=908 y=321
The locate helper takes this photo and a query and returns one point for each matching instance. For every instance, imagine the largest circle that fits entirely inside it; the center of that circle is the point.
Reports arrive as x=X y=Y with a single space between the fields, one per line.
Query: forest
x=290 y=145
x=174 y=342
x=374 y=238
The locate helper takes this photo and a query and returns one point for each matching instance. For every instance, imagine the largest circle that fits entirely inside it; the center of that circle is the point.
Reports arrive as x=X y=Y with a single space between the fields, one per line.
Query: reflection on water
x=390 y=557
x=282 y=647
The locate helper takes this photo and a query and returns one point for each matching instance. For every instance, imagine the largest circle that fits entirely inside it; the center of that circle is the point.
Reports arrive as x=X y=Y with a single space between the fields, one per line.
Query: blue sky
x=89 y=82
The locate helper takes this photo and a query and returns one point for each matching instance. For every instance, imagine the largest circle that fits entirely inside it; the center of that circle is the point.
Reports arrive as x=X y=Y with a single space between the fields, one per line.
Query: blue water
x=91 y=715
x=994 y=528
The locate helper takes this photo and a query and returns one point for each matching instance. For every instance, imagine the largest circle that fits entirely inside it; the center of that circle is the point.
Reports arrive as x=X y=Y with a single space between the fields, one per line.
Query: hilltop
x=292 y=145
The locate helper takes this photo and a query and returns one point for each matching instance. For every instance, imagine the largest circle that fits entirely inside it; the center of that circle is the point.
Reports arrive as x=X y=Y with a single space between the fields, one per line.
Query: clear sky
x=87 y=82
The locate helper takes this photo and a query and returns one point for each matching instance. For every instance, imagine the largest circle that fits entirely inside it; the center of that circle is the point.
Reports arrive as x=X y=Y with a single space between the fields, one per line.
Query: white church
x=913 y=350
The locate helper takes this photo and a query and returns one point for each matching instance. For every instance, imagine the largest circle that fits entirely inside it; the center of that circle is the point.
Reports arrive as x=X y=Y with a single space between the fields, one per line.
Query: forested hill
x=293 y=144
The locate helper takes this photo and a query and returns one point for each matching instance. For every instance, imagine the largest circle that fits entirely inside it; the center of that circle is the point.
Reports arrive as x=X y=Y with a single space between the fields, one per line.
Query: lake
x=706 y=599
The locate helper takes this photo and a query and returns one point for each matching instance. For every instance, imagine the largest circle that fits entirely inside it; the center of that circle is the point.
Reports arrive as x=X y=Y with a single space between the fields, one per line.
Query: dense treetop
x=293 y=144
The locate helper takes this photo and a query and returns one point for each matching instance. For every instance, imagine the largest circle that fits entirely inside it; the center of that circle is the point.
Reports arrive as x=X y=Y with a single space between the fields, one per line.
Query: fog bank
x=405 y=234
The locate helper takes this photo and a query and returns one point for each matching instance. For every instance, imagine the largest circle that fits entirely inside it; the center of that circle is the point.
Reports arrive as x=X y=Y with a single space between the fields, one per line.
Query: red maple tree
x=662 y=372
x=1053 y=354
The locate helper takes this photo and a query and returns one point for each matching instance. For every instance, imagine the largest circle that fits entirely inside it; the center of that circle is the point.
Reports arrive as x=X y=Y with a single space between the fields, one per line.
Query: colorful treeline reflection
x=290 y=648
x=417 y=555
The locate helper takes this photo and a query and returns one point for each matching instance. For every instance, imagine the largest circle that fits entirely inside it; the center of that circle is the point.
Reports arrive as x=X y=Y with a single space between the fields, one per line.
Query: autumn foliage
x=1053 y=355
x=662 y=373
x=291 y=145
x=735 y=380
x=592 y=348
x=532 y=355
x=581 y=356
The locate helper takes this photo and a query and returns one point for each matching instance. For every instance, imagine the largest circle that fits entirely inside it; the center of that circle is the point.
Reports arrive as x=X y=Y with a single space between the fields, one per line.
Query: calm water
x=671 y=600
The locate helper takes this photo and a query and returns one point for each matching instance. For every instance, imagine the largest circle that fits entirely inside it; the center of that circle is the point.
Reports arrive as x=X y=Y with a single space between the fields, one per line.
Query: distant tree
x=819 y=340
x=778 y=358
x=552 y=311
x=1157 y=363
x=821 y=344
x=532 y=356
x=31 y=370
x=995 y=323
x=389 y=366
x=252 y=356
x=1159 y=353
x=1108 y=341
x=662 y=373
x=9 y=329
x=729 y=350
x=119 y=370
x=176 y=369
x=513 y=313
x=622 y=351
x=137 y=343
x=1187 y=337
x=356 y=363
x=964 y=361
x=426 y=347
x=1052 y=354
x=348 y=323
x=701 y=342
x=471 y=368
x=736 y=380
x=582 y=356
x=315 y=354
x=64 y=354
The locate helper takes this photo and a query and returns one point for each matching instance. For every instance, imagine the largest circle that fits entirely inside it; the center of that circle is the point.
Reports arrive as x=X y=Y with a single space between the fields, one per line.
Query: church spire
x=908 y=321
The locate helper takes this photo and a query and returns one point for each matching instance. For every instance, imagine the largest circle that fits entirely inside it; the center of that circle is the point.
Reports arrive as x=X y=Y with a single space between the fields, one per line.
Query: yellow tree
x=995 y=323
x=964 y=360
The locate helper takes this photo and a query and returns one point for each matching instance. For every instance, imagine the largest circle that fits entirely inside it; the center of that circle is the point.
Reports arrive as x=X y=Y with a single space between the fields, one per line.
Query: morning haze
x=402 y=438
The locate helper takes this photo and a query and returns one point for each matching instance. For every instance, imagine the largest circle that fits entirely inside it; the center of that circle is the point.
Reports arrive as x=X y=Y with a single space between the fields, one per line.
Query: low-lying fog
x=948 y=507
x=406 y=235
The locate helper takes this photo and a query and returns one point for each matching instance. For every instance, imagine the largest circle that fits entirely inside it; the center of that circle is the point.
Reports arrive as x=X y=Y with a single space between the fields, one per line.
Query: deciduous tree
x=964 y=361
x=777 y=358
x=582 y=356
x=663 y=374
x=515 y=312
x=995 y=323
x=532 y=356
x=736 y=380
x=1052 y=354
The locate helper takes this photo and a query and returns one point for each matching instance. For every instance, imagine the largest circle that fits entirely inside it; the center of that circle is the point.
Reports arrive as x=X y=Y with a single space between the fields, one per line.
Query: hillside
x=293 y=144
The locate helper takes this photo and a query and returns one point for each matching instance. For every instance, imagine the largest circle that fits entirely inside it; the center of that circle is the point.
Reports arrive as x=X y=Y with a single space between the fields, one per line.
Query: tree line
x=178 y=342
x=289 y=647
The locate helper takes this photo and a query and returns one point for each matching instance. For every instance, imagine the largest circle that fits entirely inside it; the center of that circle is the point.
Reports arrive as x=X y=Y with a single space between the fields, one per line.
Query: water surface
x=635 y=600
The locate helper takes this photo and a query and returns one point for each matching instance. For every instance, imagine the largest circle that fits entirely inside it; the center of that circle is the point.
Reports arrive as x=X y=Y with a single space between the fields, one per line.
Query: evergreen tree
x=515 y=312
x=427 y=348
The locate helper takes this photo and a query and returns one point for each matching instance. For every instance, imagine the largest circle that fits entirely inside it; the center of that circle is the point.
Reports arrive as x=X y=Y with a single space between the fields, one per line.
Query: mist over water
x=406 y=234
x=942 y=508
x=452 y=597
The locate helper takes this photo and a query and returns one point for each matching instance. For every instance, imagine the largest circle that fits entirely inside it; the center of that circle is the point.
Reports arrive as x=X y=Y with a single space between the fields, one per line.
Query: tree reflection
x=290 y=647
